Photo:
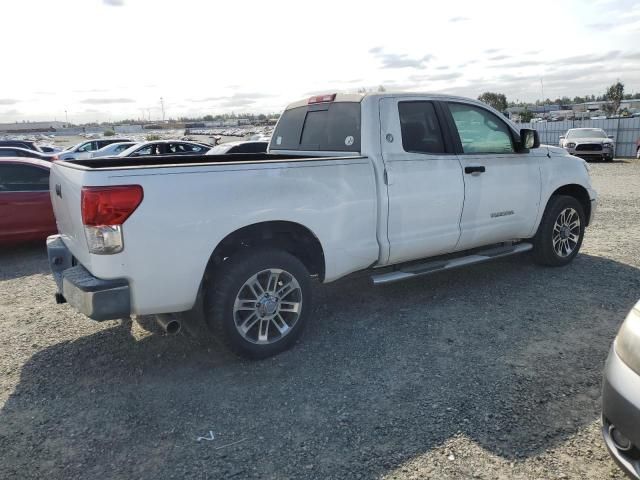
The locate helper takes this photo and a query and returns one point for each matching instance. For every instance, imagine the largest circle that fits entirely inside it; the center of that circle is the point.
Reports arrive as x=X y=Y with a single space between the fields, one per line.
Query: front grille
x=594 y=147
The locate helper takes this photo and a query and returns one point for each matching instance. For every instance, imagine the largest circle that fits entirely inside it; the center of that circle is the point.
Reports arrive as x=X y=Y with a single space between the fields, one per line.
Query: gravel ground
x=490 y=372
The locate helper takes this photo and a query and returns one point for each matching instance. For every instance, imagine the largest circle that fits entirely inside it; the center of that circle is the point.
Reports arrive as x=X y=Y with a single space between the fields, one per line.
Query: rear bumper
x=621 y=407
x=98 y=299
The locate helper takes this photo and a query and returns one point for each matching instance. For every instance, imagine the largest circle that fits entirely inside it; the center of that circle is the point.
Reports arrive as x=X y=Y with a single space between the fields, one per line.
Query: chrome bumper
x=98 y=299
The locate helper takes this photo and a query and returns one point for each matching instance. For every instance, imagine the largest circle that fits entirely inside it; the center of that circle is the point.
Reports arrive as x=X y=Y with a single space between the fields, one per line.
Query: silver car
x=588 y=143
x=621 y=396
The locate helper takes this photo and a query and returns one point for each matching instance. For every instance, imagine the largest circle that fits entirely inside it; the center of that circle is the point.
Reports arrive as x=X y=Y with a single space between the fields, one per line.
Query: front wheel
x=561 y=231
x=259 y=302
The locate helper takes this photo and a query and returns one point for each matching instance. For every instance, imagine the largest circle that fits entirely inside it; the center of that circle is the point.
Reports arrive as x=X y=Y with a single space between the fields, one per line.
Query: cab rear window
x=322 y=127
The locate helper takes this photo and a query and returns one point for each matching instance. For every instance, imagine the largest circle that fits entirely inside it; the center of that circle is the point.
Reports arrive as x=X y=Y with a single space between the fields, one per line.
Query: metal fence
x=625 y=131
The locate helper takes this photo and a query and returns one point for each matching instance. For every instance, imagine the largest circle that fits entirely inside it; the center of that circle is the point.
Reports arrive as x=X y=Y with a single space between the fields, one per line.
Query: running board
x=428 y=268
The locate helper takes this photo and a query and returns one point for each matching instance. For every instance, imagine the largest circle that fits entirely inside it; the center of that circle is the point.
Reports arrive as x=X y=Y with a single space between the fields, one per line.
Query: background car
x=588 y=143
x=621 y=396
x=166 y=147
x=25 y=205
x=26 y=153
x=112 y=149
x=83 y=149
x=252 y=146
x=20 y=144
x=49 y=149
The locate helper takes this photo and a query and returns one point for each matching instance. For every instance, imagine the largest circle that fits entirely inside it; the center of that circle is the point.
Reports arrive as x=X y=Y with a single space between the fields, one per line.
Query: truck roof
x=359 y=97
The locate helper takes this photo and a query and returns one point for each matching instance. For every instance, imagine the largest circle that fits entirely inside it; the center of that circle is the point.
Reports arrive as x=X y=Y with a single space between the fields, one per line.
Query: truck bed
x=181 y=160
x=192 y=203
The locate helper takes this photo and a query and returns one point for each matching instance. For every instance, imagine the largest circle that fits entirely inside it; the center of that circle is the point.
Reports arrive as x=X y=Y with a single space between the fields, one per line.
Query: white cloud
x=258 y=56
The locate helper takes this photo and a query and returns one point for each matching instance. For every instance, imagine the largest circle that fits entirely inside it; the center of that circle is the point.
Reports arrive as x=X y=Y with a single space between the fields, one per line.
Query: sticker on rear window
x=348 y=141
x=278 y=140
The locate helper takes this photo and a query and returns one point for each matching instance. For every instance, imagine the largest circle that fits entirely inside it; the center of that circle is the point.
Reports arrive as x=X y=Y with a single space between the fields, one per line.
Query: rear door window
x=322 y=127
x=23 y=178
x=420 y=128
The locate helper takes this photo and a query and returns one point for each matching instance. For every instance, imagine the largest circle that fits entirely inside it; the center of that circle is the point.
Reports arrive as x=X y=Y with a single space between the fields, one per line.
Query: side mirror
x=610 y=136
x=529 y=138
x=561 y=137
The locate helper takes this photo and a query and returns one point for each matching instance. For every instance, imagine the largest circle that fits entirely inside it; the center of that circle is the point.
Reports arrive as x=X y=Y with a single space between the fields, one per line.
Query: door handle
x=478 y=169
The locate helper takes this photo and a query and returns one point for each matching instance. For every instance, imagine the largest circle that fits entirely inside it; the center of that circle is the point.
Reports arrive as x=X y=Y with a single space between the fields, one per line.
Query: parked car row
x=25 y=205
x=84 y=150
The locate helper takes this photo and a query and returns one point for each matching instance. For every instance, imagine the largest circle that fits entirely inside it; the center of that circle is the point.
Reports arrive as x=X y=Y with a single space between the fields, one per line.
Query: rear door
x=502 y=186
x=424 y=178
x=25 y=206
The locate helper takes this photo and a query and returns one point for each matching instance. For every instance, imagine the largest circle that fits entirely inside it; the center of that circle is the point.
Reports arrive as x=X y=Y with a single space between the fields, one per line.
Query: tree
x=614 y=96
x=526 y=115
x=496 y=100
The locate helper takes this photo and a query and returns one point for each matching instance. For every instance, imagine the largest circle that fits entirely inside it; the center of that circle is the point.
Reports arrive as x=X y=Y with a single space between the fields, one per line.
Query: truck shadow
x=508 y=354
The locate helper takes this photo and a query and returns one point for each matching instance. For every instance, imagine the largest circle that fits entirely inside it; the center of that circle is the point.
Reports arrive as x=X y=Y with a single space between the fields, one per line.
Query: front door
x=424 y=178
x=502 y=186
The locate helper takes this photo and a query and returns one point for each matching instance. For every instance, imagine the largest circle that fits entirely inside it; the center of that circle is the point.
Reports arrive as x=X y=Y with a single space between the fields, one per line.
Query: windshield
x=586 y=133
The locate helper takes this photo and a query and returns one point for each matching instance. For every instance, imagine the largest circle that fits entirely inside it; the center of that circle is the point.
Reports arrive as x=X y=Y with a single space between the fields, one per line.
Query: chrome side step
x=428 y=268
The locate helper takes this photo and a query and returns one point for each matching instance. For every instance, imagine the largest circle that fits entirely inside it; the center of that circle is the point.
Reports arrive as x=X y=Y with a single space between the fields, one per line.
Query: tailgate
x=65 y=187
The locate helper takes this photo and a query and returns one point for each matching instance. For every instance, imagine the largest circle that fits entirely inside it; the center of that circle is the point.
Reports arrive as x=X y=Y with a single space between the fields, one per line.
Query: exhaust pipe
x=170 y=324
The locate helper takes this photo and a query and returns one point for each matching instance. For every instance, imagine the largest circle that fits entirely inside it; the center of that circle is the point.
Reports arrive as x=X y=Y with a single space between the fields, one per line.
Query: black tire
x=544 y=252
x=231 y=277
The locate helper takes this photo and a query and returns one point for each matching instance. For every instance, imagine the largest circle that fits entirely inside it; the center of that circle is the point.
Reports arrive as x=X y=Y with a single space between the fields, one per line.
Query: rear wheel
x=561 y=231
x=259 y=302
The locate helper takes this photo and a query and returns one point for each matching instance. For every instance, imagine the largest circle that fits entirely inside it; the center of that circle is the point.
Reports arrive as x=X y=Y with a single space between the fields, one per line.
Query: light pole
x=66 y=117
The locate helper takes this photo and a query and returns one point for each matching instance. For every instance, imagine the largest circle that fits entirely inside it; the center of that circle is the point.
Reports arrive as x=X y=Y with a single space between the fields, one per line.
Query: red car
x=25 y=206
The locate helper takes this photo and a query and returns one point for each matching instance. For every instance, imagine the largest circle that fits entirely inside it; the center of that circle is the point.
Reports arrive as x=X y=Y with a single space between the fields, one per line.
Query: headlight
x=570 y=145
x=627 y=343
x=607 y=144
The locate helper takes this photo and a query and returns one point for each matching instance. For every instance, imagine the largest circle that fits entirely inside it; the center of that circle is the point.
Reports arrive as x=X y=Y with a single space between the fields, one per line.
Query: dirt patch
x=489 y=372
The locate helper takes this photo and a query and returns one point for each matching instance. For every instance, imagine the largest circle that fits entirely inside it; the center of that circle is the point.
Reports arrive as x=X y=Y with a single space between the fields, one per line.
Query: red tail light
x=322 y=98
x=109 y=205
x=54 y=158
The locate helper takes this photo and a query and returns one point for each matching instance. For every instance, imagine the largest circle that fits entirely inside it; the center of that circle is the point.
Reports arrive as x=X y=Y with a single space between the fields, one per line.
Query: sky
x=106 y=60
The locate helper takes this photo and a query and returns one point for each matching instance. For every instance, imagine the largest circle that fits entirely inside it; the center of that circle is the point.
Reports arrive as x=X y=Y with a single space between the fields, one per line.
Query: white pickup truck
x=401 y=184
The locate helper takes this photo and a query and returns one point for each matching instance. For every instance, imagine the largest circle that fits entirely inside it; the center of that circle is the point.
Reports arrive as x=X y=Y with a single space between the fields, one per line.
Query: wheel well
x=289 y=236
x=579 y=193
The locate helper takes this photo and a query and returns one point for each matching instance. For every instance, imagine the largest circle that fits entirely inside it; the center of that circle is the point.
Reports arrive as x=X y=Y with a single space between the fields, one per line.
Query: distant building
x=32 y=127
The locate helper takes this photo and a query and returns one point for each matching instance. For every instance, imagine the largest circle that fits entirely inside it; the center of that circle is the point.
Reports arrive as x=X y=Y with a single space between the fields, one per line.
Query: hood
x=553 y=150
